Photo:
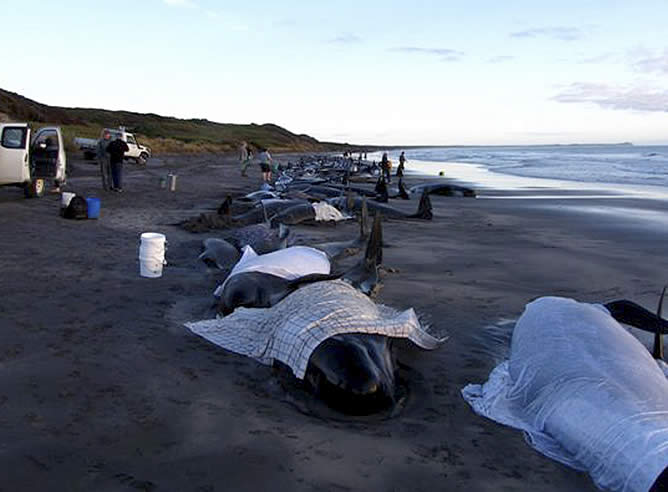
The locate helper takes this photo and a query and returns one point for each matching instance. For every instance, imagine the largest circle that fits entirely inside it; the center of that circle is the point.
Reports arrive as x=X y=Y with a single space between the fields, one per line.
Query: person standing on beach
x=103 y=160
x=400 y=167
x=243 y=157
x=385 y=167
x=265 y=164
x=116 y=151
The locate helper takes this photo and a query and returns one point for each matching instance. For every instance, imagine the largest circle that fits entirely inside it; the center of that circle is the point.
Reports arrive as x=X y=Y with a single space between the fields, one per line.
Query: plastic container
x=152 y=254
x=171 y=178
x=93 y=208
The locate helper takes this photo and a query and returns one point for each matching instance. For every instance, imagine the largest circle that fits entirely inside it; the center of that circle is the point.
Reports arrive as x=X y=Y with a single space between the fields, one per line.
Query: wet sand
x=103 y=388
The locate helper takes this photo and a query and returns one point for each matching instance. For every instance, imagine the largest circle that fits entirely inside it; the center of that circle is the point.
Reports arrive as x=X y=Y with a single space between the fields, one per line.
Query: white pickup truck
x=31 y=162
x=140 y=153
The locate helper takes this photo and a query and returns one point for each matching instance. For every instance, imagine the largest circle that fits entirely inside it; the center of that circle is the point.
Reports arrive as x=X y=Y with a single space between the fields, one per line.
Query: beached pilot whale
x=350 y=204
x=445 y=189
x=330 y=334
x=219 y=253
x=223 y=219
x=262 y=281
x=585 y=391
x=263 y=238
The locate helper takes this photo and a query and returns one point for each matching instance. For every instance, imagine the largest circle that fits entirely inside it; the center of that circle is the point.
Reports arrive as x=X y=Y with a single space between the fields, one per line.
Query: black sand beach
x=104 y=389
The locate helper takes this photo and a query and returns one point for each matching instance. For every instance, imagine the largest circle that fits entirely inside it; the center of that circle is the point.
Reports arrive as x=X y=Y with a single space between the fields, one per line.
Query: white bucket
x=66 y=198
x=151 y=254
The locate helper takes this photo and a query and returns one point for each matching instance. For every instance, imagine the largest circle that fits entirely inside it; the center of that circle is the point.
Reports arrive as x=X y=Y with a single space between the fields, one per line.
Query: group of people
x=386 y=166
x=267 y=165
x=110 y=155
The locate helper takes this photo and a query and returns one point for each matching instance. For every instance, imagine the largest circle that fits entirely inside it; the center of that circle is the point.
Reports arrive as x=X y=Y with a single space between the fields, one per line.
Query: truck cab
x=31 y=160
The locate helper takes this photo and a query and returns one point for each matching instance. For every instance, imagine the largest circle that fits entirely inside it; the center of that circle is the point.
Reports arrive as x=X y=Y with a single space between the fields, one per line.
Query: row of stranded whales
x=585 y=391
x=351 y=372
x=354 y=372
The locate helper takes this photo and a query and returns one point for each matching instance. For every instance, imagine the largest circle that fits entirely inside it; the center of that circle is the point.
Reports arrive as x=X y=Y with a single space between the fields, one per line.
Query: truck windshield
x=14 y=137
x=131 y=140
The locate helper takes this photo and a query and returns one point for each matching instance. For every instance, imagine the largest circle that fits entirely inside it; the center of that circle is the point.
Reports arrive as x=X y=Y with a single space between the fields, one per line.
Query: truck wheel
x=142 y=159
x=35 y=188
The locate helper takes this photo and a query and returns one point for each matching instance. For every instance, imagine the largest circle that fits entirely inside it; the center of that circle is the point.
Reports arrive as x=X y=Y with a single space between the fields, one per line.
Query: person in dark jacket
x=402 y=163
x=116 y=151
x=385 y=167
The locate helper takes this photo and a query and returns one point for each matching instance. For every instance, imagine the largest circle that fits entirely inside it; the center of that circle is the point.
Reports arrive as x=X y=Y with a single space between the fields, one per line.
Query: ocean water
x=607 y=167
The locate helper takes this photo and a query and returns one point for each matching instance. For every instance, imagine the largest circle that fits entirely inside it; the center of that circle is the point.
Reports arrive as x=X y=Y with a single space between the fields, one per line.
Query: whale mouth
x=345 y=406
x=299 y=395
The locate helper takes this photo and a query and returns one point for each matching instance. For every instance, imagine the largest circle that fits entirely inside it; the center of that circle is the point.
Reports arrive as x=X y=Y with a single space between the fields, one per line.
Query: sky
x=477 y=72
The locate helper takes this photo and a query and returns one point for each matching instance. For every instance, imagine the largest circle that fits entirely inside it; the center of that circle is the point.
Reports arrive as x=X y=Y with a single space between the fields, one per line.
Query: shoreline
x=105 y=387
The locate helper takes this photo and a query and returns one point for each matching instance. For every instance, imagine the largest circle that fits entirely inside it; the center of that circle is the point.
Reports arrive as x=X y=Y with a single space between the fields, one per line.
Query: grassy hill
x=161 y=133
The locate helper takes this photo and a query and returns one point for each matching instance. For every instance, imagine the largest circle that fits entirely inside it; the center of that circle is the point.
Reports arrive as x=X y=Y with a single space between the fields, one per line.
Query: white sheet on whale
x=584 y=391
x=289 y=263
x=292 y=329
x=326 y=212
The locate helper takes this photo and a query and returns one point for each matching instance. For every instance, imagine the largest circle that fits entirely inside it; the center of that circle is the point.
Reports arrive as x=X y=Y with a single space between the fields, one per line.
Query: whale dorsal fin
x=657 y=350
x=364 y=219
x=424 y=208
x=224 y=208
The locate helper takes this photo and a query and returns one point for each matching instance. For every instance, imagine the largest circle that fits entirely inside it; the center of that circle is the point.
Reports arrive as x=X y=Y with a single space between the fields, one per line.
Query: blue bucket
x=93 y=208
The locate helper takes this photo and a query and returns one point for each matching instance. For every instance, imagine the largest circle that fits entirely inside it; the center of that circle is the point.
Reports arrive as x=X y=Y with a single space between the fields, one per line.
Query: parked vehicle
x=139 y=153
x=31 y=160
x=88 y=146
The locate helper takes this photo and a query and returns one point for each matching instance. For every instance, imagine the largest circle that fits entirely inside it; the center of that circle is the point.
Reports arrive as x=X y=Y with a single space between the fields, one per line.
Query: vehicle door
x=14 y=165
x=132 y=144
x=61 y=165
x=46 y=153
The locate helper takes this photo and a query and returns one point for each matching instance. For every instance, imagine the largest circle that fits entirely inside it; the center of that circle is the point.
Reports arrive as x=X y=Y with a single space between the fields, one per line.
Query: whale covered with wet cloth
x=319 y=315
x=585 y=391
x=328 y=332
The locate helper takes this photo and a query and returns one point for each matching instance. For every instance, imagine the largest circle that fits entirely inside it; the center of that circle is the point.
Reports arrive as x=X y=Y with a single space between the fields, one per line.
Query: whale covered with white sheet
x=584 y=391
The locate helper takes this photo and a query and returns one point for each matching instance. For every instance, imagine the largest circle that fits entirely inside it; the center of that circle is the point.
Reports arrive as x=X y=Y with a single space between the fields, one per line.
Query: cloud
x=599 y=58
x=652 y=63
x=444 y=54
x=500 y=59
x=180 y=3
x=560 y=32
x=614 y=97
x=346 y=39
